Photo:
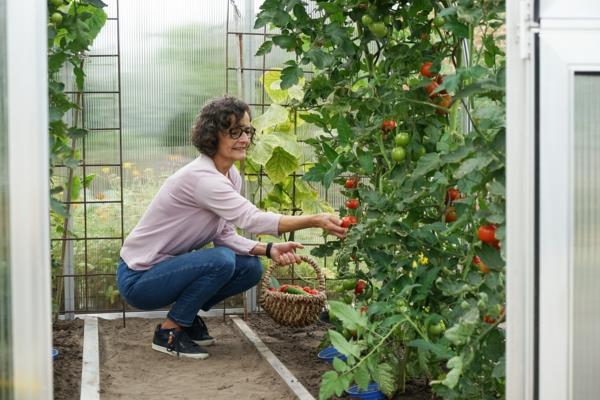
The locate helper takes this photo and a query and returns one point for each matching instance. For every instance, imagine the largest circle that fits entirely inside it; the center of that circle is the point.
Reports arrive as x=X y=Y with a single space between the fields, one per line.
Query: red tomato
x=360 y=286
x=450 y=214
x=439 y=79
x=487 y=234
x=348 y=221
x=482 y=267
x=388 y=125
x=425 y=69
x=488 y=320
x=351 y=183
x=452 y=194
x=352 y=203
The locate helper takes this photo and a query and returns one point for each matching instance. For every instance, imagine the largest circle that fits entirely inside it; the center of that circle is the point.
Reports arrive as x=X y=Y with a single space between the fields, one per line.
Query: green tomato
x=366 y=20
x=388 y=19
x=436 y=329
x=378 y=29
x=402 y=138
x=56 y=18
x=418 y=153
x=398 y=154
x=392 y=43
x=439 y=21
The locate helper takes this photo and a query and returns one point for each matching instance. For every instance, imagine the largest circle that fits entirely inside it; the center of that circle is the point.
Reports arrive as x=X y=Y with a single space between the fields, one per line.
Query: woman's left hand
x=285 y=253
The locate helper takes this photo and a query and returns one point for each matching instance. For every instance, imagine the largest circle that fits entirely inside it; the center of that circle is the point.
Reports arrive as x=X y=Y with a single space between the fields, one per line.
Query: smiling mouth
x=240 y=148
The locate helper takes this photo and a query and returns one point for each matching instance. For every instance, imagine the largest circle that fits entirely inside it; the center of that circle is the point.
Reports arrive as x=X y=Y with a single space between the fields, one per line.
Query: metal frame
x=68 y=274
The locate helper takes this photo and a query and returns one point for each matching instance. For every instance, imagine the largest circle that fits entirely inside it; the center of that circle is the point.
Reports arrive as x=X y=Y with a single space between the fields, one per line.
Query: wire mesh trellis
x=145 y=80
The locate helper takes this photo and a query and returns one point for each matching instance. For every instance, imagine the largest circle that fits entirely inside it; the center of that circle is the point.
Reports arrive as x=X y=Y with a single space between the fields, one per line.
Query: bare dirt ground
x=68 y=339
x=130 y=369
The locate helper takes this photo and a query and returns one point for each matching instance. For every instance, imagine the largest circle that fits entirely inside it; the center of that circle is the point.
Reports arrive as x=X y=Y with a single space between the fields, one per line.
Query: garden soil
x=130 y=369
x=67 y=337
x=297 y=349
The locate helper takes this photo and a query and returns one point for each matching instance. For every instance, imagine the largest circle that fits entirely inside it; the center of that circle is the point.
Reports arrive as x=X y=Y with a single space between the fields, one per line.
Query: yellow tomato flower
x=423 y=260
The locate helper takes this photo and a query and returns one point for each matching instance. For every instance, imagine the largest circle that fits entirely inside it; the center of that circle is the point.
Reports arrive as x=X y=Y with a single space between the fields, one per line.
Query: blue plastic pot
x=54 y=353
x=329 y=353
x=371 y=393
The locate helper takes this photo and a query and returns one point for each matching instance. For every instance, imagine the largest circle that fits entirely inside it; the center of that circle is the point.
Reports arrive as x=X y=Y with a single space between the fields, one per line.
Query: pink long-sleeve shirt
x=195 y=206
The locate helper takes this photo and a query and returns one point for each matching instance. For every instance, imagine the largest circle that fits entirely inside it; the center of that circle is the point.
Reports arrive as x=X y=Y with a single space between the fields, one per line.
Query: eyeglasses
x=236 y=131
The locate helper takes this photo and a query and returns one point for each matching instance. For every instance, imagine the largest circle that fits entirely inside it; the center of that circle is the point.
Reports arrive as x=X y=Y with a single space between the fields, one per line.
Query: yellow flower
x=423 y=260
x=414 y=264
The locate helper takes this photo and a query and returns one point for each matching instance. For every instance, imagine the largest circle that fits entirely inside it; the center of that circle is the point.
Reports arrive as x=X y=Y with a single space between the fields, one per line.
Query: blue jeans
x=193 y=281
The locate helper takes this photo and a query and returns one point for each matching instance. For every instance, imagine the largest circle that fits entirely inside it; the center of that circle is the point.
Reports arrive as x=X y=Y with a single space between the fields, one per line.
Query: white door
x=568 y=207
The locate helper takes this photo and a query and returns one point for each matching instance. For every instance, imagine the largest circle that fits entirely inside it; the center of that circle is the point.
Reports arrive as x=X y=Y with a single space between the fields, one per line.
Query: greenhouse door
x=567 y=131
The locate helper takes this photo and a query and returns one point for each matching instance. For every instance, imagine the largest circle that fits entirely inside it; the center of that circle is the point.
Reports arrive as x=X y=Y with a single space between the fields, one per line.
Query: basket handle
x=309 y=260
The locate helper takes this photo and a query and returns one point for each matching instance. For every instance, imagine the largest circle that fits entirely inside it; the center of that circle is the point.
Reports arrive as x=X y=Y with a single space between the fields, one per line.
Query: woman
x=162 y=261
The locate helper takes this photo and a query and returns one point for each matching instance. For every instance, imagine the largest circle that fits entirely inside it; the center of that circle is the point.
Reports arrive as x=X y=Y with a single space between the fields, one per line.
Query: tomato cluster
x=439 y=97
x=352 y=204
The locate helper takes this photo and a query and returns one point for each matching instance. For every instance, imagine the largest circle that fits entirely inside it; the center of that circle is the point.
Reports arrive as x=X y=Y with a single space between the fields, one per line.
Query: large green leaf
x=274 y=116
x=281 y=165
x=339 y=342
x=349 y=316
x=265 y=145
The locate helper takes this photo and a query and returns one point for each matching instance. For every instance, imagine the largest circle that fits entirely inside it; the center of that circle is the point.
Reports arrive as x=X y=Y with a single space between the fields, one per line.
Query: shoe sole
x=208 y=342
x=197 y=356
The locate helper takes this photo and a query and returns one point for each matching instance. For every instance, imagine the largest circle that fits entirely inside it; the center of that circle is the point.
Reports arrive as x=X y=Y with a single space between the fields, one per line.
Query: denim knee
x=226 y=262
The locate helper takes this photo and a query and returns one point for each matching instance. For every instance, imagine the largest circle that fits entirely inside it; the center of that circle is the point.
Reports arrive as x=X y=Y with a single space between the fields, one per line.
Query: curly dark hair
x=214 y=118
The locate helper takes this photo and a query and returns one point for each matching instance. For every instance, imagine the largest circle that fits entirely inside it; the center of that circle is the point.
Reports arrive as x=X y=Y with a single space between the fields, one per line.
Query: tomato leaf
x=350 y=317
x=429 y=162
x=491 y=257
x=329 y=383
x=362 y=376
x=342 y=345
x=440 y=351
x=455 y=364
x=265 y=48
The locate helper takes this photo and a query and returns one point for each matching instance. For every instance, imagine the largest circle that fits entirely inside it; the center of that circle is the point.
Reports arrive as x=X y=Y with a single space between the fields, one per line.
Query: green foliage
x=278 y=152
x=69 y=37
x=413 y=244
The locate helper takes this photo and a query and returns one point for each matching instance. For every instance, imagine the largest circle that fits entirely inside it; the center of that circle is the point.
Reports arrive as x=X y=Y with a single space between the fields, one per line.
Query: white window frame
x=563 y=52
x=27 y=92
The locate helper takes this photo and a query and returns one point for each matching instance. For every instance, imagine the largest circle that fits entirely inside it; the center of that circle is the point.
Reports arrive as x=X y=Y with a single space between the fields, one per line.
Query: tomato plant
x=400 y=65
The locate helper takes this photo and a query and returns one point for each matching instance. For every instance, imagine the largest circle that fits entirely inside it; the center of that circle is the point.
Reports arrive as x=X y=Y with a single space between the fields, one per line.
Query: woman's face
x=234 y=142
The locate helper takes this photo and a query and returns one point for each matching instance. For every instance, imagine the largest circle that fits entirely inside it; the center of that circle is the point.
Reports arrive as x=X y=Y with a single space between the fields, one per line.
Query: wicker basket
x=294 y=310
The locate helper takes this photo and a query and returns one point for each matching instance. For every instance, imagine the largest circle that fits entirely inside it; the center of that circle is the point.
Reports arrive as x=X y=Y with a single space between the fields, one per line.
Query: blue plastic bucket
x=371 y=393
x=54 y=353
x=329 y=353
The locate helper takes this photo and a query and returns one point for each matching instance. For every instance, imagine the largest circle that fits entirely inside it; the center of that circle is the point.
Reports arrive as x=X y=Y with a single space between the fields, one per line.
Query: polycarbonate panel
x=586 y=252
x=5 y=292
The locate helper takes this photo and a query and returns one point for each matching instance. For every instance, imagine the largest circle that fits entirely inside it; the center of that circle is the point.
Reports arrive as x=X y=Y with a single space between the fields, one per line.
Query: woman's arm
x=327 y=222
